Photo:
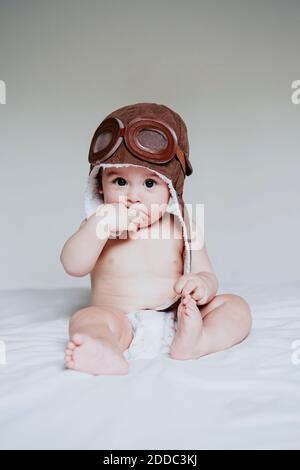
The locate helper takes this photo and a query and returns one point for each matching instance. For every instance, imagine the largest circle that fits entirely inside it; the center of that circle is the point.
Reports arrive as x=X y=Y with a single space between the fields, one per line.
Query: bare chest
x=148 y=253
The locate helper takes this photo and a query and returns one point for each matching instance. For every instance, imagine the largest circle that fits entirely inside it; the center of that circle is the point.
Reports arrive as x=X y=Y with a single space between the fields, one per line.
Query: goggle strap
x=181 y=158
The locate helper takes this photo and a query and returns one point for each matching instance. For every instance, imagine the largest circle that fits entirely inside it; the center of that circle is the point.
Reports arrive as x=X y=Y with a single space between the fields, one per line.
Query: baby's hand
x=115 y=218
x=139 y=212
x=195 y=286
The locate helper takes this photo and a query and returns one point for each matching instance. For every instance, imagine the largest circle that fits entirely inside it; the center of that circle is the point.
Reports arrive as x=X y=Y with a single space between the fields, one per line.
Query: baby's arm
x=201 y=264
x=82 y=249
x=201 y=282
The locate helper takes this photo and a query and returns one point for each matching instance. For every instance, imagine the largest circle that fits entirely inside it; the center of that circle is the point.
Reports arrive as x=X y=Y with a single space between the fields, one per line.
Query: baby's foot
x=189 y=330
x=95 y=356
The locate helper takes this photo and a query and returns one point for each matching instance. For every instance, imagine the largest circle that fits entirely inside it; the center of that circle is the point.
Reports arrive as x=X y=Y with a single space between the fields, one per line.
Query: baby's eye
x=151 y=181
x=120 y=179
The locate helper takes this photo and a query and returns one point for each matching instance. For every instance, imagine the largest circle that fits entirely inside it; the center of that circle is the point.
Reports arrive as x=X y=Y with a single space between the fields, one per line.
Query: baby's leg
x=220 y=324
x=98 y=338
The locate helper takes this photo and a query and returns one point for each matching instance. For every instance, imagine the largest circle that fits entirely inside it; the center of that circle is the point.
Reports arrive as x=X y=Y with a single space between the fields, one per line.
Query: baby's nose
x=133 y=198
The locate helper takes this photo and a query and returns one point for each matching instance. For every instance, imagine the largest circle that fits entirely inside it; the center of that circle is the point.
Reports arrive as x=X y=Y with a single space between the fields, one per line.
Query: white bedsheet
x=244 y=397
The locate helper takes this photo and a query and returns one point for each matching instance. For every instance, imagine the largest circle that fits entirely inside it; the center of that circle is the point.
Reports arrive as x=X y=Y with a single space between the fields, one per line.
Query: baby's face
x=136 y=185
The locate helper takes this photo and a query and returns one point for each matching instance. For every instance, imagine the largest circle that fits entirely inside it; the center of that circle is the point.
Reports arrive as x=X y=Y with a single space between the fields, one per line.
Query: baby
x=135 y=250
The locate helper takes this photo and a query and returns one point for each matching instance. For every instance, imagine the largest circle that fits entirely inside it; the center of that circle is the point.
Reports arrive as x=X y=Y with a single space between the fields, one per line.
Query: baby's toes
x=181 y=309
x=71 y=345
x=67 y=359
x=69 y=363
x=68 y=352
x=191 y=303
x=77 y=339
x=188 y=311
x=193 y=310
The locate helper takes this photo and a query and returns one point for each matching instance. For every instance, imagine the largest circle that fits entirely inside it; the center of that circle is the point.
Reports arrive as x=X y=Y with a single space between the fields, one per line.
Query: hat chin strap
x=92 y=200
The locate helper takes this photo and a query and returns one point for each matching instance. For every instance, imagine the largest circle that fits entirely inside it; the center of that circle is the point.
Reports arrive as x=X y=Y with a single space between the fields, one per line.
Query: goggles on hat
x=148 y=139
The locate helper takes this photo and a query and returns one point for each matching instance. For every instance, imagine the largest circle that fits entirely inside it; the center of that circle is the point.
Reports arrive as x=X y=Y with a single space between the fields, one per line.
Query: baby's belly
x=135 y=293
x=135 y=276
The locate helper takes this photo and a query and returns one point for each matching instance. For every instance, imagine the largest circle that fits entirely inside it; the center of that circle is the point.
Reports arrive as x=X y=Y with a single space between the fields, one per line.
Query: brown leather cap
x=172 y=169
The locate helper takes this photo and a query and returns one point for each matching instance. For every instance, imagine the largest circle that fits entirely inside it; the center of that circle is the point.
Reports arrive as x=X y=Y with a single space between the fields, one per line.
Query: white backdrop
x=226 y=67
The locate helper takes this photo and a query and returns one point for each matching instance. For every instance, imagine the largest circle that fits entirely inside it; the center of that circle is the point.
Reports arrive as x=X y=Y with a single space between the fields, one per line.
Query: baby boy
x=135 y=250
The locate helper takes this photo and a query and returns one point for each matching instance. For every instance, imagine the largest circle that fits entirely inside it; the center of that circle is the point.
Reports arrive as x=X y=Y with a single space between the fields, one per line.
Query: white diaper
x=153 y=333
